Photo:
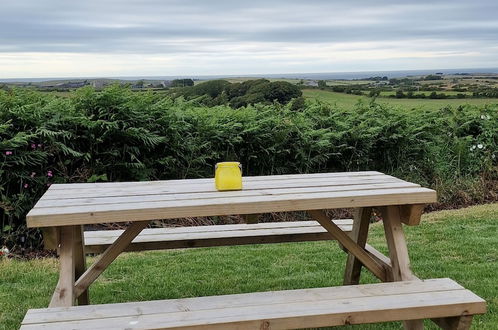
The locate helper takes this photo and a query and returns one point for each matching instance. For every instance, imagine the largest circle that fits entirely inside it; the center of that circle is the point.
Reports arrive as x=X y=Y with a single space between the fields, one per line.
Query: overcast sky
x=52 y=38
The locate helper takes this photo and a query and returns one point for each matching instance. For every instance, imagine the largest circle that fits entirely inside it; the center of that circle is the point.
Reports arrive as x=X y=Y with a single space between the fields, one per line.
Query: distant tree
x=182 y=83
x=322 y=84
x=213 y=88
x=433 y=77
x=399 y=94
x=139 y=84
x=217 y=92
x=282 y=92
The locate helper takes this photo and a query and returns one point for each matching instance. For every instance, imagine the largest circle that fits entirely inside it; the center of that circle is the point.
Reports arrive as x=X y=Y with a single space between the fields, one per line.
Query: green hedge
x=117 y=135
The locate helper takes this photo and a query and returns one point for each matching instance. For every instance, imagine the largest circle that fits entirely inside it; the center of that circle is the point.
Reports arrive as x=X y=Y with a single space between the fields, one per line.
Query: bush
x=118 y=135
x=237 y=95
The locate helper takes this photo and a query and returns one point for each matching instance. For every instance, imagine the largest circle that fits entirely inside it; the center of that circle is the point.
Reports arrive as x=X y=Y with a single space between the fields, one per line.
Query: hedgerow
x=118 y=135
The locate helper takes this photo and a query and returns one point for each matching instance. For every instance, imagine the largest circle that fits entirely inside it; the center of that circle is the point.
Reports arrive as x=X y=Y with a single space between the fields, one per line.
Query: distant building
x=166 y=83
x=72 y=84
x=311 y=83
x=98 y=84
x=380 y=83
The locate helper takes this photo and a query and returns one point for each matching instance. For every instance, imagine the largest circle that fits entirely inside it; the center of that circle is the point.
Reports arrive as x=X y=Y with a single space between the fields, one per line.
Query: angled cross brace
x=359 y=234
x=359 y=252
x=109 y=255
x=74 y=280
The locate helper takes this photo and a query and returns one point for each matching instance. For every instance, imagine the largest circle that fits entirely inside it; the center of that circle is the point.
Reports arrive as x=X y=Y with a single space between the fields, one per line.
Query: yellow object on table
x=228 y=176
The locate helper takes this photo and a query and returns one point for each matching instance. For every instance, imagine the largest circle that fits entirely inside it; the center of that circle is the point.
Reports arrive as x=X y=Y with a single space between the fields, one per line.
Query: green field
x=349 y=100
x=427 y=93
x=460 y=244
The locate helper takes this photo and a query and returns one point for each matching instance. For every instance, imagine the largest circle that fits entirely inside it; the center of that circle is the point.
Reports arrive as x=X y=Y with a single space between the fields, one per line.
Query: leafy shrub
x=237 y=95
x=117 y=135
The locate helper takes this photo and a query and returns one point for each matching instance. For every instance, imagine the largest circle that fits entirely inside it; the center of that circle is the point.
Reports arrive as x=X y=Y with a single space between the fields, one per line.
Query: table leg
x=64 y=292
x=359 y=234
x=398 y=253
x=80 y=262
x=455 y=323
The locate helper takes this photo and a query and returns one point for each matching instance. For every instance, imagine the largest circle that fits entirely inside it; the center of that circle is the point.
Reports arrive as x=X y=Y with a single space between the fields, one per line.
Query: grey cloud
x=156 y=26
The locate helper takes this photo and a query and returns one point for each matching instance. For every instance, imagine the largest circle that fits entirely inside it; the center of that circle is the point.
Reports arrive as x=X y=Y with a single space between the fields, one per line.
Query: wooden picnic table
x=65 y=208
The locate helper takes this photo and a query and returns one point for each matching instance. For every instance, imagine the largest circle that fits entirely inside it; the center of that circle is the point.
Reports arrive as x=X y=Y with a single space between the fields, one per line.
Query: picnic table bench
x=65 y=208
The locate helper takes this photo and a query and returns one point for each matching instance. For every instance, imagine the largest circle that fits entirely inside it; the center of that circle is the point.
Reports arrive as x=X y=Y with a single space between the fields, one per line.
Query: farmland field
x=349 y=100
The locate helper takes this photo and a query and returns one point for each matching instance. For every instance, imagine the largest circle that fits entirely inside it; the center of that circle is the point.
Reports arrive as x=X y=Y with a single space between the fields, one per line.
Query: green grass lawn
x=348 y=100
x=460 y=244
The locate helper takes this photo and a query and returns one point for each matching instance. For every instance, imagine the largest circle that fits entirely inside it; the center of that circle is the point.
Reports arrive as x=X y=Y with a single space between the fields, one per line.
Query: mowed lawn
x=460 y=244
x=349 y=100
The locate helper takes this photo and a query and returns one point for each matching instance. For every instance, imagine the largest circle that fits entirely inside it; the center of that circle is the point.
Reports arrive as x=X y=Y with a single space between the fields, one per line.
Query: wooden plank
x=238 y=300
x=172 y=235
x=348 y=243
x=199 y=188
x=135 y=184
x=98 y=200
x=313 y=308
x=226 y=206
x=221 y=235
x=108 y=257
x=80 y=261
x=411 y=214
x=64 y=293
x=223 y=238
x=215 y=228
x=359 y=235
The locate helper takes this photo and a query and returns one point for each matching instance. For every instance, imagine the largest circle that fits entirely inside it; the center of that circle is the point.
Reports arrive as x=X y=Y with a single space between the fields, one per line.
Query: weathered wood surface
x=359 y=235
x=64 y=291
x=110 y=254
x=304 y=308
x=72 y=204
x=350 y=245
x=218 y=235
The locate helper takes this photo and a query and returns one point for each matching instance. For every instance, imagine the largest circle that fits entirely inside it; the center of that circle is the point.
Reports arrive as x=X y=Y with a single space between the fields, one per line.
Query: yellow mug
x=228 y=176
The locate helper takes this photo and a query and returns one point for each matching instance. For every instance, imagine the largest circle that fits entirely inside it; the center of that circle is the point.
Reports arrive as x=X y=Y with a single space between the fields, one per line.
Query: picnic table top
x=89 y=203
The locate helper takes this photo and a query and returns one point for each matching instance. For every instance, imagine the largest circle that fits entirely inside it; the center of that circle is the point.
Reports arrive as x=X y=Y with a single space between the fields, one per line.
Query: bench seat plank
x=217 y=235
x=276 y=310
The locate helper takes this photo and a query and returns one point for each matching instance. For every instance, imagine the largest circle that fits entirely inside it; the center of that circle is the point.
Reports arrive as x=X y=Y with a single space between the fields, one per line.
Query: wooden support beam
x=251 y=218
x=108 y=257
x=80 y=261
x=411 y=214
x=454 y=323
x=381 y=259
x=348 y=243
x=64 y=294
x=361 y=222
x=50 y=238
x=398 y=253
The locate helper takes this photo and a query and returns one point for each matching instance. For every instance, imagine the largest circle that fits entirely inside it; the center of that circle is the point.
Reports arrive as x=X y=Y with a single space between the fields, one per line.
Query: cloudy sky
x=53 y=38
